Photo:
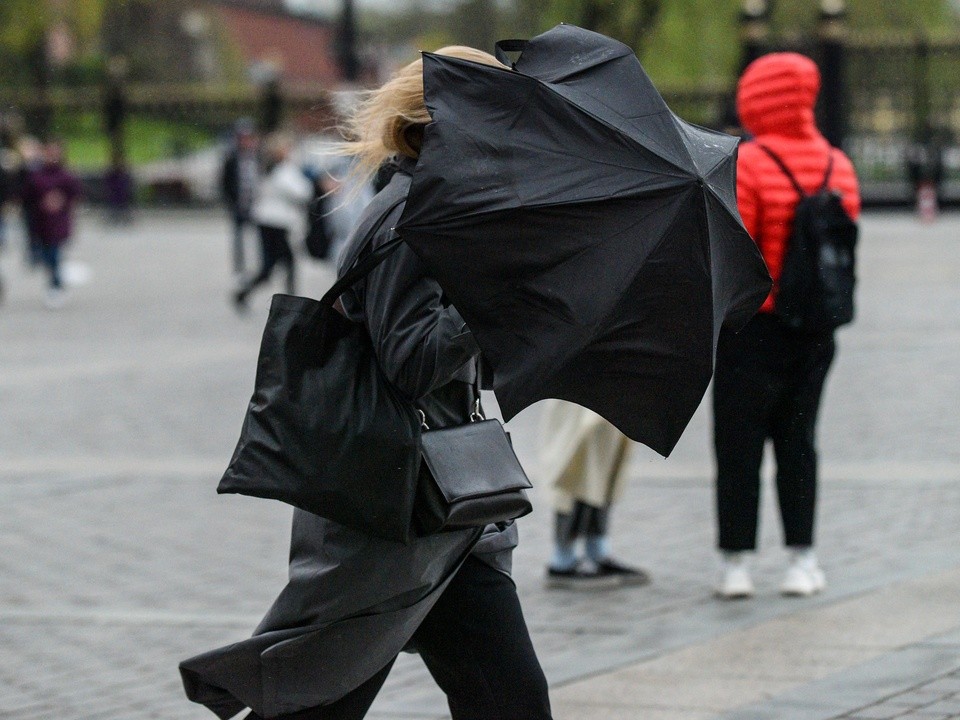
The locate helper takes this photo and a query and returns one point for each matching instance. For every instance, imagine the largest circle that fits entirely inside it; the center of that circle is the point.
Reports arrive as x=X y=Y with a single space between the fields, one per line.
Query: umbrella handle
x=504 y=46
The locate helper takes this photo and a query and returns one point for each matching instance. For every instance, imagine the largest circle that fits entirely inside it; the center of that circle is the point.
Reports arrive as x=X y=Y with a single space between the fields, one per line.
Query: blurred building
x=223 y=41
x=274 y=41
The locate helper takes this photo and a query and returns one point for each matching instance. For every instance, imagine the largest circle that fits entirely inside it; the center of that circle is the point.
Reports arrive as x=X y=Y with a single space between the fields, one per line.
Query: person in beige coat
x=584 y=459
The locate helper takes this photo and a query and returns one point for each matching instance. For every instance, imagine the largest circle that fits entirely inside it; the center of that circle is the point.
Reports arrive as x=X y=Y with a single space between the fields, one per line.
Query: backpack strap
x=786 y=171
x=793 y=180
x=826 y=175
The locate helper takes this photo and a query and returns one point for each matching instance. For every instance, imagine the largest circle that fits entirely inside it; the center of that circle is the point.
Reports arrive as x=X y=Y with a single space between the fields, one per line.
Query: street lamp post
x=832 y=33
x=347 y=42
x=754 y=30
x=115 y=107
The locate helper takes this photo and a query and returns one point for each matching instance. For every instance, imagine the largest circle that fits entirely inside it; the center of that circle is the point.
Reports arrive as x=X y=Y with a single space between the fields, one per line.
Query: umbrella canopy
x=589 y=237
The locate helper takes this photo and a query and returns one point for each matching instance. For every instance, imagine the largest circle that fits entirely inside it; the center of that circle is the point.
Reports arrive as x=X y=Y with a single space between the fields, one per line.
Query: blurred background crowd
x=145 y=94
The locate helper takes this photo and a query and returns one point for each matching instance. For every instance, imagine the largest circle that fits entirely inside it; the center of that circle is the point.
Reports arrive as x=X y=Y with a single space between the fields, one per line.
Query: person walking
x=447 y=596
x=238 y=183
x=584 y=460
x=279 y=210
x=769 y=377
x=50 y=194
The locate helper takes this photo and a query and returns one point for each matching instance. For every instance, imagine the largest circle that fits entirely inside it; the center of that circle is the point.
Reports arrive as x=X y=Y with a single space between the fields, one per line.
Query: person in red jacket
x=769 y=378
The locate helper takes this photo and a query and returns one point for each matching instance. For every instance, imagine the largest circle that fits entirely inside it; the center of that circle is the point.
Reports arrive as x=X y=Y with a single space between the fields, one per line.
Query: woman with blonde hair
x=353 y=602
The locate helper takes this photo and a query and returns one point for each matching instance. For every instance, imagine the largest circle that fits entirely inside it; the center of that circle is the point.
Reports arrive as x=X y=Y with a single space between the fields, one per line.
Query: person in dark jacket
x=769 y=377
x=353 y=602
x=278 y=211
x=51 y=192
x=238 y=183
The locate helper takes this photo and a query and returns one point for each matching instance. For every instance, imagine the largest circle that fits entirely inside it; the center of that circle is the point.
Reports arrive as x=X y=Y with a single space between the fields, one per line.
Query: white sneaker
x=804 y=576
x=735 y=582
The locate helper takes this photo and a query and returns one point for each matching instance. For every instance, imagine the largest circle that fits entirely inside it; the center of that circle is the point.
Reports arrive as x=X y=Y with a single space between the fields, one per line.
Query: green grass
x=147 y=139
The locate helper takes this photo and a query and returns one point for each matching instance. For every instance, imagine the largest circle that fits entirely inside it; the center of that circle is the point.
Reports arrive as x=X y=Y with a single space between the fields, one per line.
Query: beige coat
x=583 y=457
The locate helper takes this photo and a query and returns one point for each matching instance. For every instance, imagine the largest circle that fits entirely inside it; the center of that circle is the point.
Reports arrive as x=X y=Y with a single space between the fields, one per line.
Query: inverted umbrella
x=589 y=237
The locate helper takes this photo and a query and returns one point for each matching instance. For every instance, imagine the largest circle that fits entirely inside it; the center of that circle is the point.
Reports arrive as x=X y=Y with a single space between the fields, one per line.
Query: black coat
x=352 y=601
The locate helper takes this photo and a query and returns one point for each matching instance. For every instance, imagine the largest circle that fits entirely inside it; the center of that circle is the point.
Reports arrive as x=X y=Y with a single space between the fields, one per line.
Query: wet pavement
x=117 y=559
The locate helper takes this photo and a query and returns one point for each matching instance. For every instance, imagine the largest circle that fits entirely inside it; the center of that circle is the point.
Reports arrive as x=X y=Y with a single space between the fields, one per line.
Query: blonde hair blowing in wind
x=390 y=120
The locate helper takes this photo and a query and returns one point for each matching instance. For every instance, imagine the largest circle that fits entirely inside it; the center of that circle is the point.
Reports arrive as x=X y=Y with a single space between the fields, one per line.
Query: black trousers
x=768 y=383
x=476 y=645
x=274 y=249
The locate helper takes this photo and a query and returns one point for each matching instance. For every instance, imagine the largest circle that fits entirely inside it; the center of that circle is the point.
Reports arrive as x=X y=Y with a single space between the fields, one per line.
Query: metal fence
x=899 y=108
x=904 y=115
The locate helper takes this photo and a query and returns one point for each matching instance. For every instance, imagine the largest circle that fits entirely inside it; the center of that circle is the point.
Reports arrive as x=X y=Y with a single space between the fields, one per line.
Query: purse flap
x=472 y=460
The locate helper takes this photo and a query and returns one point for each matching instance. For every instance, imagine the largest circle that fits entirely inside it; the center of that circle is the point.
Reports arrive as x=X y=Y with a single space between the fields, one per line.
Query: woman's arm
x=420 y=343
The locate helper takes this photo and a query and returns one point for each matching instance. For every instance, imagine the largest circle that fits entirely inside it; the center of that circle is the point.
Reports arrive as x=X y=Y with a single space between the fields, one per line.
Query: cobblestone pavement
x=938 y=697
x=117 y=559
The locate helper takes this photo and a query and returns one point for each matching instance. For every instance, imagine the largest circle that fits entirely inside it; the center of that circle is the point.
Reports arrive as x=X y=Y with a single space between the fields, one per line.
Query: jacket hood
x=776 y=95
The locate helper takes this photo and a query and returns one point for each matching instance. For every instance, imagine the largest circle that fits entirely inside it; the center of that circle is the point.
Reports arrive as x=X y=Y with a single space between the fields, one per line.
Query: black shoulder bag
x=325 y=431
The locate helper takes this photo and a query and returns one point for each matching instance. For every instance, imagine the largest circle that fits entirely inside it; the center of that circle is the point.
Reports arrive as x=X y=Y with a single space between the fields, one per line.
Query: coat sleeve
x=421 y=342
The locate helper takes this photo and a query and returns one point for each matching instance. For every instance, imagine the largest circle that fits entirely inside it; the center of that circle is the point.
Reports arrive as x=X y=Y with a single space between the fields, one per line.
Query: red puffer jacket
x=775 y=100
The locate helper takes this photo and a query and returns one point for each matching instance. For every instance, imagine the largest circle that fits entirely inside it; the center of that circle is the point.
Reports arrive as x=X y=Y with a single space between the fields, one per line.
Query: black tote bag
x=325 y=431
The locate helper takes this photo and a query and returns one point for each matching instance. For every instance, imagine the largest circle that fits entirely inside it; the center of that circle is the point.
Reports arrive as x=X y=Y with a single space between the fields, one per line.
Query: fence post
x=40 y=120
x=925 y=155
x=832 y=36
x=115 y=108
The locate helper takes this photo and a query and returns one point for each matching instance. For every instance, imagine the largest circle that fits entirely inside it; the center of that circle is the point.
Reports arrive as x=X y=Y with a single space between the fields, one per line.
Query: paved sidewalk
x=117 y=559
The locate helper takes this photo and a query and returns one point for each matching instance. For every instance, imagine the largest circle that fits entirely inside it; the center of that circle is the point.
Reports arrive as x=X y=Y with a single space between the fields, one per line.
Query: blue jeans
x=50 y=257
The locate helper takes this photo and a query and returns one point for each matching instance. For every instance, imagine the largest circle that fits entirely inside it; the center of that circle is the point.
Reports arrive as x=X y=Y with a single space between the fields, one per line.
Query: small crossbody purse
x=469 y=476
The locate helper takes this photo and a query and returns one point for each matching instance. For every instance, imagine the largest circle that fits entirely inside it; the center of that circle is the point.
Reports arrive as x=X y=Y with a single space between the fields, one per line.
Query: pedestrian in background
x=769 y=377
x=238 y=182
x=584 y=460
x=278 y=211
x=50 y=193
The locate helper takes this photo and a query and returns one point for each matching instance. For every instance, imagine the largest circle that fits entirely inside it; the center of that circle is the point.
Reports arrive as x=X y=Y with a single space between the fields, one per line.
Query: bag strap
x=793 y=180
x=783 y=167
x=502 y=47
x=828 y=173
x=363 y=266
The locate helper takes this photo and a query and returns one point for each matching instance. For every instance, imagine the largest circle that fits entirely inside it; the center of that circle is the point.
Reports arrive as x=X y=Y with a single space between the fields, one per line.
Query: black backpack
x=815 y=291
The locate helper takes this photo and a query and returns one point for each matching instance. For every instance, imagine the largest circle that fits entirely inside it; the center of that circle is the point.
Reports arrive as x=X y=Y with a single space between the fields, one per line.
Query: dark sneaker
x=585 y=576
x=240 y=302
x=623 y=575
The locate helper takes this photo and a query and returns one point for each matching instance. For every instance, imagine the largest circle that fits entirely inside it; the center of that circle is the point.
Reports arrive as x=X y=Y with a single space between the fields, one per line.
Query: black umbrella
x=589 y=237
